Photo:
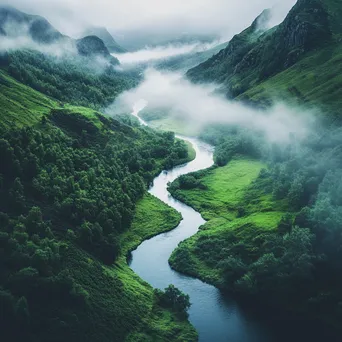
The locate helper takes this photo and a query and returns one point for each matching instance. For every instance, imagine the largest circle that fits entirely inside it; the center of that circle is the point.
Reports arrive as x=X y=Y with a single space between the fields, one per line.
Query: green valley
x=92 y=205
x=69 y=217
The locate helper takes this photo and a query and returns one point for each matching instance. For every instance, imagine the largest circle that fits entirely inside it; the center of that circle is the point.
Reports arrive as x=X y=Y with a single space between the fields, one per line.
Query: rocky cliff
x=254 y=55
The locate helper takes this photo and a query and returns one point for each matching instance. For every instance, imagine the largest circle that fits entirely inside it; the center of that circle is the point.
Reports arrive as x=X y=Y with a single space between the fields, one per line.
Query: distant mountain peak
x=261 y=23
x=13 y=22
x=94 y=46
x=107 y=38
x=254 y=56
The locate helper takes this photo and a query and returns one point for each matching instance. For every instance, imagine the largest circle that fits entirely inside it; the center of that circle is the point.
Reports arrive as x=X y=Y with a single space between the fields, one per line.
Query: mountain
x=137 y=40
x=254 y=62
x=93 y=46
x=189 y=60
x=14 y=22
x=106 y=37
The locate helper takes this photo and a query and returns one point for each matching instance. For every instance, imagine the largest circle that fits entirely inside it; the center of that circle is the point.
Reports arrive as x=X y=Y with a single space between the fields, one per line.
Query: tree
x=174 y=298
x=22 y=313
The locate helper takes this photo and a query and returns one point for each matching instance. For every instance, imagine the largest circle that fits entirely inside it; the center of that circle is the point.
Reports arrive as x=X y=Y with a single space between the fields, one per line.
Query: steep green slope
x=299 y=58
x=314 y=81
x=79 y=81
x=21 y=105
x=72 y=190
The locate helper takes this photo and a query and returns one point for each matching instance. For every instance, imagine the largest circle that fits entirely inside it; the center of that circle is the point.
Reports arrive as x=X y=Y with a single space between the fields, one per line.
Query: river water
x=216 y=317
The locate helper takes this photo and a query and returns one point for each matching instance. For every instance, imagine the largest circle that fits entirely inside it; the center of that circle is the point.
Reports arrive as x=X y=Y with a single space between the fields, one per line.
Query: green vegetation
x=152 y=217
x=21 y=105
x=315 y=80
x=174 y=299
x=274 y=226
x=79 y=81
x=163 y=120
x=297 y=61
x=72 y=193
x=221 y=195
x=191 y=151
x=221 y=189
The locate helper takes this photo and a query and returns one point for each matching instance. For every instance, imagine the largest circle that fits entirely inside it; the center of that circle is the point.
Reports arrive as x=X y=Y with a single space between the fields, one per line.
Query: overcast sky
x=223 y=17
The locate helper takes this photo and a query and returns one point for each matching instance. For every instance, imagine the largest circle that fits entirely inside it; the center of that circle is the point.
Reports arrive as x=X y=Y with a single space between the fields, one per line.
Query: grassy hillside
x=314 y=81
x=72 y=203
x=21 y=105
x=220 y=196
x=298 y=60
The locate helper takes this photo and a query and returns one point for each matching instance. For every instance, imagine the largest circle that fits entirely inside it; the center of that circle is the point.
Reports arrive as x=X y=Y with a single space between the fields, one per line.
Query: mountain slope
x=14 y=22
x=17 y=24
x=106 y=37
x=185 y=62
x=311 y=30
x=64 y=276
x=93 y=46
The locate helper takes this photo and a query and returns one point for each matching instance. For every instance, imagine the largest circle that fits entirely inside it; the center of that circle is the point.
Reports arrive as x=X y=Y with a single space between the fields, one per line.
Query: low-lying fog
x=200 y=105
x=151 y=54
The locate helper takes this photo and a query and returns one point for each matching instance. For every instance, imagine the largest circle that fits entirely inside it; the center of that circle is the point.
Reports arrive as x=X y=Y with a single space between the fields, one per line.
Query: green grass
x=121 y=306
x=227 y=190
x=315 y=81
x=191 y=151
x=21 y=105
x=152 y=217
x=87 y=112
x=176 y=125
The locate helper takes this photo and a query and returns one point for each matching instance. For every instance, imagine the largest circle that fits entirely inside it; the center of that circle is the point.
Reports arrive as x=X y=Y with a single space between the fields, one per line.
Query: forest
x=68 y=184
x=296 y=264
x=77 y=80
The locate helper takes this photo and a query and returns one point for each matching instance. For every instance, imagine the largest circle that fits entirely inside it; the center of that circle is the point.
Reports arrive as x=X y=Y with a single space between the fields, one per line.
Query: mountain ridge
x=15 y=23
x=106 y=37
x=248 y=62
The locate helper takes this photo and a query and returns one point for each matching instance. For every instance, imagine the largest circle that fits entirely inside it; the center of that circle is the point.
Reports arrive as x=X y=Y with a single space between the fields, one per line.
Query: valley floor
x=221 y=197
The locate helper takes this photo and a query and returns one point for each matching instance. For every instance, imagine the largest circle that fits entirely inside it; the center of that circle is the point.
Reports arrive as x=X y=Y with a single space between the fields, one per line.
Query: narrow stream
x=217 y=318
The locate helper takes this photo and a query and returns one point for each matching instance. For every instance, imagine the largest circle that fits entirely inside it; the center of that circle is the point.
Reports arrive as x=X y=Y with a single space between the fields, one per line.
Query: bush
x=174 y=299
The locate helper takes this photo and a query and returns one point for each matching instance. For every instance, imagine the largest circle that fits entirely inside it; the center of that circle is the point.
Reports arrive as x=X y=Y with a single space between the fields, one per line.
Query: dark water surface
x=216 y=317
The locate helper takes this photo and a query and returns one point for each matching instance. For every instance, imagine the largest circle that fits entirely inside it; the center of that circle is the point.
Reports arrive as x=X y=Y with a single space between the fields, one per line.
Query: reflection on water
x=217 y=318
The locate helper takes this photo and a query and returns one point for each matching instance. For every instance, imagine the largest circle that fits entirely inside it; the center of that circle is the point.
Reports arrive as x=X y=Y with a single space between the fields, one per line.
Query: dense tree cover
x=175 y=299
x=300 y=263
x=78 y=80
x=68 y=182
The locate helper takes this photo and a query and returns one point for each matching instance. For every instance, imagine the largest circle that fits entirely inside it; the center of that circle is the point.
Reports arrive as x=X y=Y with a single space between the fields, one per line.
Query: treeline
x=300 y=263
x=76 y=80
x=68 y=182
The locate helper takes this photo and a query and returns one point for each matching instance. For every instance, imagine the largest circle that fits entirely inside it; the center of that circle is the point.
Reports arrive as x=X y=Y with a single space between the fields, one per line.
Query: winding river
x=216 y=317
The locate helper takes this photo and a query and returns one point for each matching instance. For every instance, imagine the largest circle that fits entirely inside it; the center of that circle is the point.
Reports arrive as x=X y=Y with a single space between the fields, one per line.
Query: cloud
x=224 y=17
x=61 y=50
x=151 y=54
x=200 y=106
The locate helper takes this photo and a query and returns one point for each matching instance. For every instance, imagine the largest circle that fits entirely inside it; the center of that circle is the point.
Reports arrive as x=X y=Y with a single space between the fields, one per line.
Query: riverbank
x=152 y=217
x=242 y=214
x=220 y=196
